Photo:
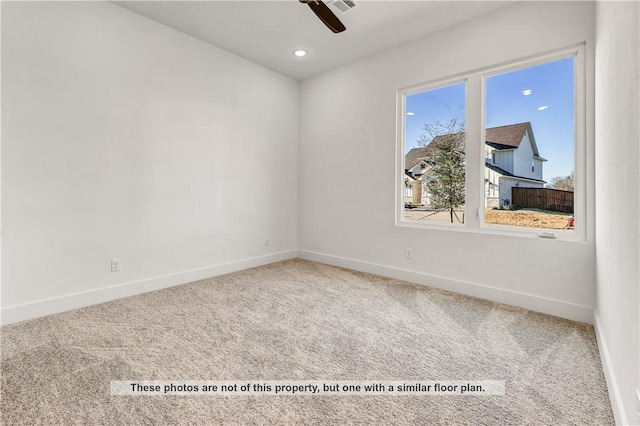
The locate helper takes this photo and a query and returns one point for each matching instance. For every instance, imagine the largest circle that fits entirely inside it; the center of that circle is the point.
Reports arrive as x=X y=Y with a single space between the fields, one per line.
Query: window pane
x=434 y=162
x=529 y=149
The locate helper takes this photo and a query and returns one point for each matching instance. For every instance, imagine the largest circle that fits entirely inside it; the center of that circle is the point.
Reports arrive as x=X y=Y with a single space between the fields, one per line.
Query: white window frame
x=400 y=167
x=475 y=153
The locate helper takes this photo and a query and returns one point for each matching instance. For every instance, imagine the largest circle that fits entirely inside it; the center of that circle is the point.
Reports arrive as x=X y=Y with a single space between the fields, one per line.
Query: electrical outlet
x=267 y=242
x=408 y=253
x=115 y=265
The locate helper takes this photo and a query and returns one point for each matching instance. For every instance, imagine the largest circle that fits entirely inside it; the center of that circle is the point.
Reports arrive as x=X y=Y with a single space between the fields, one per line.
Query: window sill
x=500 y=230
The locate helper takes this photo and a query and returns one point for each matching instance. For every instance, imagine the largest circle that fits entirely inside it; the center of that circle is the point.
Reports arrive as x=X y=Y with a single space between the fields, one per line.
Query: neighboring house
x=511 y=159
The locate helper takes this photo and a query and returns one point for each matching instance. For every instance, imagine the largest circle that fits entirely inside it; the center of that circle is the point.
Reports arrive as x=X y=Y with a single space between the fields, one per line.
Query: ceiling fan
x=325 y=14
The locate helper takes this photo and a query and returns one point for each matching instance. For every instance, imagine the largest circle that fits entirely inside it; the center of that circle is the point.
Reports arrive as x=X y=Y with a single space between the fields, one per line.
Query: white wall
x=123 y=138
x=618 y=199
x=348 y=119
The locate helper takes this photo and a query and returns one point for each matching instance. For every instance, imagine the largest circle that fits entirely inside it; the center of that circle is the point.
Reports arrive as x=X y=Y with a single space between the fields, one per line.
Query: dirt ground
x=529 y=218
x=428 y=215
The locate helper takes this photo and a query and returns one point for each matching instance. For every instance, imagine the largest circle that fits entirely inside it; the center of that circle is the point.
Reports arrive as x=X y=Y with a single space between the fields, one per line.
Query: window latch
x=547 y=235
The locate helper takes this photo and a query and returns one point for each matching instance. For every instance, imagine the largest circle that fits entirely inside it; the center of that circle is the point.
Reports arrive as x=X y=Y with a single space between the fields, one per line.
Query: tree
x=445 y=178
x=565 y=183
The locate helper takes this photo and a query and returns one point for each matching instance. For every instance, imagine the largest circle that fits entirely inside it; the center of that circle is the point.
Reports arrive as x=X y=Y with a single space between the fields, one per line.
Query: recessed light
x=411 y=113
x=542 y=108
x=300 y=53
x=526 y=92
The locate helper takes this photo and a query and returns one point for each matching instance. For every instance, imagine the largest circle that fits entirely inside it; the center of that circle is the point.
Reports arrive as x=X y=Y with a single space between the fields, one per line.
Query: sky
x=543 y=95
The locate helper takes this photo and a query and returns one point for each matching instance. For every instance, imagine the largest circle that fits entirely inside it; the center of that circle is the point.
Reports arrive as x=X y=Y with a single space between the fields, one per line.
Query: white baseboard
x=612 y=384
x=524 y=300
x=68 y=302
x=41 y=308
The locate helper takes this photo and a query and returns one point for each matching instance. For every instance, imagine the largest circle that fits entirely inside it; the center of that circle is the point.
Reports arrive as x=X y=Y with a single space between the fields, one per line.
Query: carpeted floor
x=299 y=320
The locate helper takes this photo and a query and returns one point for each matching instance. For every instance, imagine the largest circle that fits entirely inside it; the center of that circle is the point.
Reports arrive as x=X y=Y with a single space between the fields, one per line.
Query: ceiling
x=267 y=32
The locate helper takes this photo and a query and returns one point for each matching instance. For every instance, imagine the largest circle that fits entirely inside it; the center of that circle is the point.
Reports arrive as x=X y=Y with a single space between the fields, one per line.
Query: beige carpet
x=299 y=320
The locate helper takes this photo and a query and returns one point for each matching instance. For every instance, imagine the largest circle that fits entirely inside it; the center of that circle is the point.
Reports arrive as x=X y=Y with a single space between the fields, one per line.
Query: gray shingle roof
x=507 y=136
x=506 y=173
x=501 y=137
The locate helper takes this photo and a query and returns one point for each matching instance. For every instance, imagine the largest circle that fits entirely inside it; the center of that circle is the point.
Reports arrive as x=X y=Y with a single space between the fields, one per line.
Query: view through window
x=528 y=149
x=434 y=179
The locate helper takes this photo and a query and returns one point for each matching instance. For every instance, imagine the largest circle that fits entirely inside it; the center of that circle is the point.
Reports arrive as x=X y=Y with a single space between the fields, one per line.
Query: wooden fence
x=543 y=198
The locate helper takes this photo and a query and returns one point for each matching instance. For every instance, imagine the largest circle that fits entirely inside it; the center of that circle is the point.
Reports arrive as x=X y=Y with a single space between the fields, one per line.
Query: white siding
x=491 y=182
x=538 y=168
x=523 y=158
x=504 y=160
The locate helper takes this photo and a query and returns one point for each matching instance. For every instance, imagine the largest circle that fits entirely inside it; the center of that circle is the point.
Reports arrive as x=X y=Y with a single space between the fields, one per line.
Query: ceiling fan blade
x=325 y=14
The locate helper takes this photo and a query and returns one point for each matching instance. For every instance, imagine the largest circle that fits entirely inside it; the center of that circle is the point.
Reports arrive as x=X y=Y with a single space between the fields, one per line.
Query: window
x=529 y=115
x=525 y=161
x=434 y=153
